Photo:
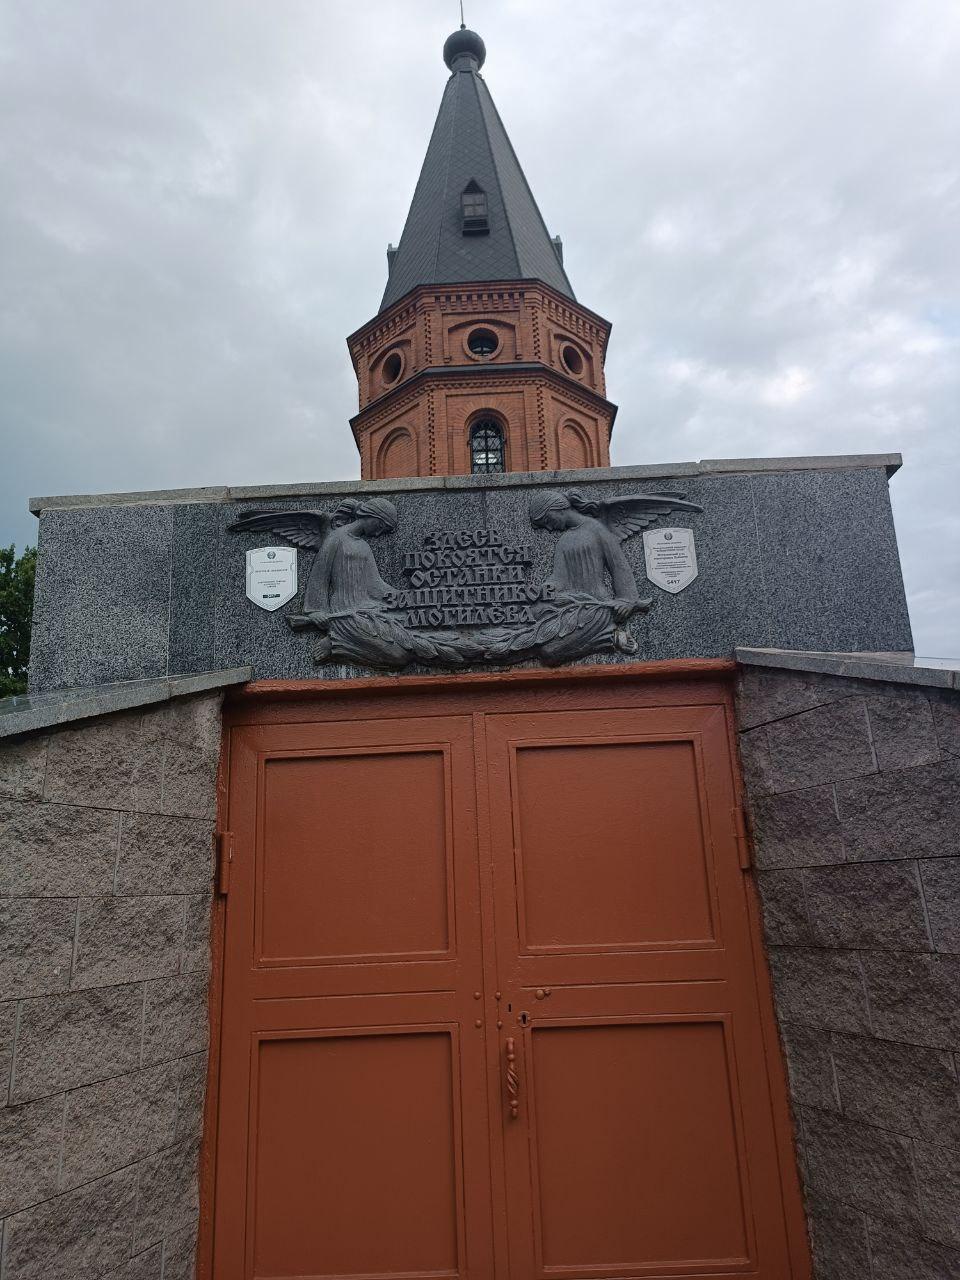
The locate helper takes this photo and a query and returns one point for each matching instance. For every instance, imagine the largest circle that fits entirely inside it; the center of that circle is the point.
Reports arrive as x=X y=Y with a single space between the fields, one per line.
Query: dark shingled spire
x=469 y=145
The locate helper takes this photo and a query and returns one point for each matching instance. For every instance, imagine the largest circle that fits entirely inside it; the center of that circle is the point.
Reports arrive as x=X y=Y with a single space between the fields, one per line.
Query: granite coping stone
x=889 y=462
x=894 y=668
x=86 y=555
x=26 y=713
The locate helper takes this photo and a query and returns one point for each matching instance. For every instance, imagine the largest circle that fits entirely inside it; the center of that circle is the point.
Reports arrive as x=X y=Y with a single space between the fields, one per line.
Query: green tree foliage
x=16 y=610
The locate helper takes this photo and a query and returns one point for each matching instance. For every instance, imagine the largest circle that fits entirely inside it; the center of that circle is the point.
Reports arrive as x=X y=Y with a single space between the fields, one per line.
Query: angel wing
x=302 y=528
x=628 y=515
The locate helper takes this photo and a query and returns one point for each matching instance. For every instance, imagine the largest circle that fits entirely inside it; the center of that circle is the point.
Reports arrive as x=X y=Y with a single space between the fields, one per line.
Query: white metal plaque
x=671 y=556
x=271 y=576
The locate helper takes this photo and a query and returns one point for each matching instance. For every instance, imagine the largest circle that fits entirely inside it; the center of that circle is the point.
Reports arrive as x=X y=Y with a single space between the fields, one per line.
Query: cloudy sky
x=762 y=195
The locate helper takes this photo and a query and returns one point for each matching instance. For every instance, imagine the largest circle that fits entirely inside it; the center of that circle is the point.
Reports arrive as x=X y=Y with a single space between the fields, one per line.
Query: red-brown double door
x=490 y=1004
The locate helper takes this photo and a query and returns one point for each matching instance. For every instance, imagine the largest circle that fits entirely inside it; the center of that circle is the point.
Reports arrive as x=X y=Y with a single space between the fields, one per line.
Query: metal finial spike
x=463 y=21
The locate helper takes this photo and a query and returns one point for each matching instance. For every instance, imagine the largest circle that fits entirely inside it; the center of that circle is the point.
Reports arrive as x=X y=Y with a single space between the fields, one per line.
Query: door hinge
x=223 y=844
x=741 y=825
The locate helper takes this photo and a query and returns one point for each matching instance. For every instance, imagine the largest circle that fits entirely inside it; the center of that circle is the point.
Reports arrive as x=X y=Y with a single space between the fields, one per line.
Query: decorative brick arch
x=574 y=446
x=397 y=455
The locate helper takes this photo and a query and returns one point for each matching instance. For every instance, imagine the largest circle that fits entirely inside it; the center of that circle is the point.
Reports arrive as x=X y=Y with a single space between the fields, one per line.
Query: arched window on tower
x=486 y=447
x=473 y=210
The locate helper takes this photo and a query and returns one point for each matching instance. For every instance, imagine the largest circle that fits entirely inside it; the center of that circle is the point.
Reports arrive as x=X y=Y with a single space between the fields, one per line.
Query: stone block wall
x=106 y=877
x=854 y=797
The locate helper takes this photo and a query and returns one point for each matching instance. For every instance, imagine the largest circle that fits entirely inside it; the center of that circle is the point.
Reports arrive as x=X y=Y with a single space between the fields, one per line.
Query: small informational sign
x=271 y=576
x=671 y=556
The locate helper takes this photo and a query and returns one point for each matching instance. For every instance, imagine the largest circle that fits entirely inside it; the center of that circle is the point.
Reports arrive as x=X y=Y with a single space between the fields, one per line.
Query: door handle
x=513 y=1079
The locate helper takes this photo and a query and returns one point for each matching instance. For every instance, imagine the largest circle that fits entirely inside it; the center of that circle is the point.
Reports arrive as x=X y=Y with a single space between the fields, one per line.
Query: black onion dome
x=464 y=42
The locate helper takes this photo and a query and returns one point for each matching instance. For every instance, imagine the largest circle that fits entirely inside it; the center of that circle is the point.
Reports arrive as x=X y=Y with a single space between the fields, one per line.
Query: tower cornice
x=482 y=295
x=492 y=379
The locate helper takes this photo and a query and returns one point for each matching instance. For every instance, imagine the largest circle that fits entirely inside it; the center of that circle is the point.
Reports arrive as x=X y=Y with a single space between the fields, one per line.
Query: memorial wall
x=470 y=572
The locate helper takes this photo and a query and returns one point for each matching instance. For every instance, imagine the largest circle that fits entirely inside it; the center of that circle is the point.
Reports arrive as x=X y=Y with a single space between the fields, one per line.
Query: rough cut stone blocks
x=56 y=850
x=946 y=718
x=113 y=766
x=914 y=998
x=820 y=987
x=106 y=878
x=179 y=1251
x=30 y=1137
x=799 y=829
x=909 y=813
x=71 y=1040
x=190 y=1098
x=838 y=1235
x=766 y=694
x=860 y=1165
x=821 y=745
x=174 y=1017
x=119 y=1121
x=810 y=1066
x=8 y=1029
x=196 y=933
x=938 y=1177
x=854 y=790
x=163 y=855
x=905 y=1088
x=36 y=945
x=75 y=1236
x=877 y=904
x=22 y=767
x=904 y=1255
x=902 y=728
x=785 y=907
x=146 y=1266
x=126 y=939
x=941 y=892
x=169 y=1198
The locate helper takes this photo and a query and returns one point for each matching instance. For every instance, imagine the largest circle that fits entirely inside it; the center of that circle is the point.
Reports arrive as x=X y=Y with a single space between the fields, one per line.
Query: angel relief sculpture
x=588 y=552
x=582 y=608
x=344 y=596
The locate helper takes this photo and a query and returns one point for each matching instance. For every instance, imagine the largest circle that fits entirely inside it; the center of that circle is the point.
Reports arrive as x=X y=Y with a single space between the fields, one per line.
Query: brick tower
x=480 y=358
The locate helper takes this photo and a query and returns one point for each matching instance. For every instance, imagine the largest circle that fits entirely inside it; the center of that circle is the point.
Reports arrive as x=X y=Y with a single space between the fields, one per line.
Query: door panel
x=623 y=950
x=370 y=857
x=353 y=1129
x=637 y=1151
x=352 y=982
x=617 y=859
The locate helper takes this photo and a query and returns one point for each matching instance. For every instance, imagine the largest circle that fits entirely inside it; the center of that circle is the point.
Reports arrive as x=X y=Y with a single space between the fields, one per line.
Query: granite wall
x=854 y=794
x=798 y=554
x=105 y=900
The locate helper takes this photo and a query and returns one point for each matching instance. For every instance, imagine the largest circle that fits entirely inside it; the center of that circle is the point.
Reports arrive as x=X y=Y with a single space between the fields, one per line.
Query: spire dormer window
x=473 y=210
